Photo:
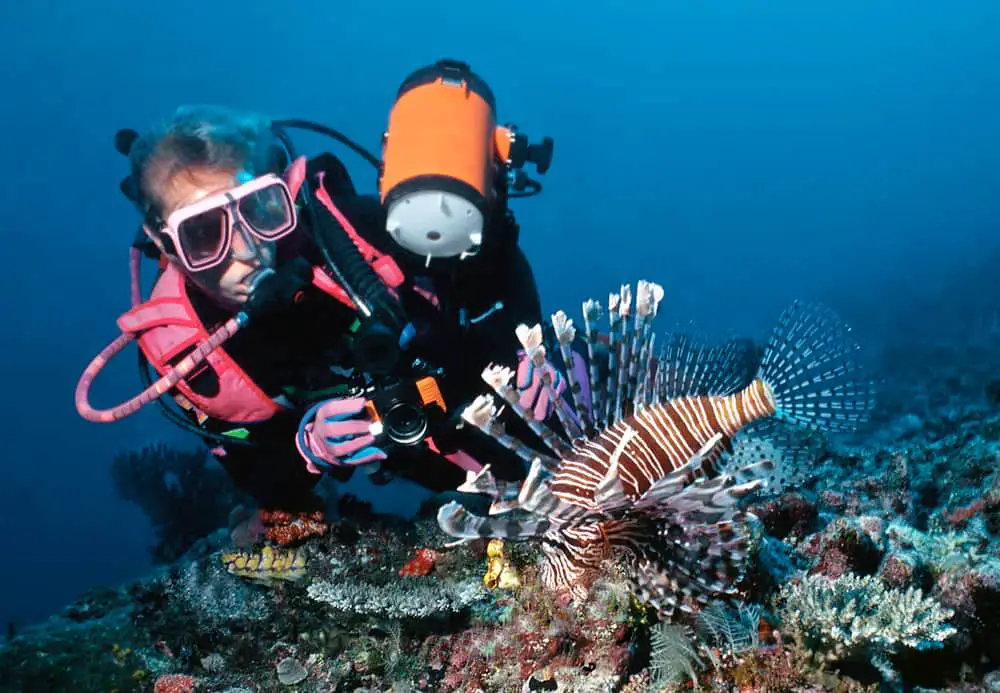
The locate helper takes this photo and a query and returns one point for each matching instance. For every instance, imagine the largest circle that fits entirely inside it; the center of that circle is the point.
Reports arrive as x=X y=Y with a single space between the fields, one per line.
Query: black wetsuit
x=291 y=352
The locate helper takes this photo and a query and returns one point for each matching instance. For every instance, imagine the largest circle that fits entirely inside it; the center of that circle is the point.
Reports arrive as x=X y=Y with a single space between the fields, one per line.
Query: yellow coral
x=499 y=571
x=266 y=566
x=495 y=548
x=639 y=612
x=120 y=654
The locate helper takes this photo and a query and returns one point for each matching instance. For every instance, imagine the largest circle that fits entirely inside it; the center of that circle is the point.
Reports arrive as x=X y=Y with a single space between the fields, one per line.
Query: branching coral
x=852 y=617
x=414 y=597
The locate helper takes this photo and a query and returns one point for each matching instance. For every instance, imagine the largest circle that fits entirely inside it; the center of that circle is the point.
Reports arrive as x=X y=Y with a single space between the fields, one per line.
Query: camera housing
x=407 y=410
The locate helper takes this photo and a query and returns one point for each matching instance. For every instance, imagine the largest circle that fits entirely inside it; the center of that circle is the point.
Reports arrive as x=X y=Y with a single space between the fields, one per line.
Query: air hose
x=274 y=290
x=376 y=342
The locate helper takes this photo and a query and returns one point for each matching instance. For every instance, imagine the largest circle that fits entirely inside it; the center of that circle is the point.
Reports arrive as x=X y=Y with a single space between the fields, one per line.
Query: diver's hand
x=534 y=396
x=337 y=433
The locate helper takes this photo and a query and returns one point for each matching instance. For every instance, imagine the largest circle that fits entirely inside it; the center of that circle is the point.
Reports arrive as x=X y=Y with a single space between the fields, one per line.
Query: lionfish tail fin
x=812 y=371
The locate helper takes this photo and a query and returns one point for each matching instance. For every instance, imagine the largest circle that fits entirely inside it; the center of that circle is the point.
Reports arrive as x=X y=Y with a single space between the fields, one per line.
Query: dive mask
x=200 y=235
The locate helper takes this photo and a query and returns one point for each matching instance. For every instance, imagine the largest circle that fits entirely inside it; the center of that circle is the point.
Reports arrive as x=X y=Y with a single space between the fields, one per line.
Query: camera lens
x=405 y=423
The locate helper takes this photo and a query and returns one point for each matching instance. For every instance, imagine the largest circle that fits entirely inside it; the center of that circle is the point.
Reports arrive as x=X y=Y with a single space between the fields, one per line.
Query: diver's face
x=229 y=282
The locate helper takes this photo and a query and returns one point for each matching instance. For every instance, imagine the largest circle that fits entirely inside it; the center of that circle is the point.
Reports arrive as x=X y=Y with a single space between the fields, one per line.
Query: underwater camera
x=406 y=411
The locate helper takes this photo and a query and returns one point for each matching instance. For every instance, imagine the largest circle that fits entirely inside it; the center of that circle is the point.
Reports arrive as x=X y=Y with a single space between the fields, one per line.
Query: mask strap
x=295 y=175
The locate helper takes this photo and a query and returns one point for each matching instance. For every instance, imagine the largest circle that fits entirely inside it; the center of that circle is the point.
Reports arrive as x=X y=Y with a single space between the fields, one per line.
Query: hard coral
x=768 y=669
x=583 y=647
x=855 y=617
x=899 y=570
x=974 y=595
x=791 y=514
x=844 y=547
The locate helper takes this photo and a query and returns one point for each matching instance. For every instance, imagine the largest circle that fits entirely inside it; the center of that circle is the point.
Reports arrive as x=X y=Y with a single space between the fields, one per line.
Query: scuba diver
x=301 y=327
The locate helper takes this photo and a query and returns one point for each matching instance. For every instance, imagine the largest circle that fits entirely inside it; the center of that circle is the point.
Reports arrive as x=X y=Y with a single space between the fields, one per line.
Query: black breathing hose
x=377 y=339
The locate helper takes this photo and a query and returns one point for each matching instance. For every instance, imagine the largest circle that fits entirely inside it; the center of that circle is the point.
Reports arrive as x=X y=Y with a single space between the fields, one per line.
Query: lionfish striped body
x=636 y=474
x=664 y=437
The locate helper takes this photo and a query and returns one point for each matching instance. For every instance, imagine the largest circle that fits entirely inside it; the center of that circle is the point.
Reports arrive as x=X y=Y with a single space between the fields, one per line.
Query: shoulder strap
x=167 y=328
x=384 y=265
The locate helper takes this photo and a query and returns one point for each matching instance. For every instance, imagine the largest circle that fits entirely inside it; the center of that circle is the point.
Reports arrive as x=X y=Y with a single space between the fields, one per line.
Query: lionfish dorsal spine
x=628 y=383
x=647 y=302
x=565 y=335
x=624 y=350
x=499 y=378
x=592 y=313
x=612 y=372
x=645 y=395
x=483 y=414
x=534 y=349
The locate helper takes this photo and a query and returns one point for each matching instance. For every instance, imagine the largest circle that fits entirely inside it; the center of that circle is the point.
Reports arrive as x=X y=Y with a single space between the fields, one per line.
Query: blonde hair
x=200 y=138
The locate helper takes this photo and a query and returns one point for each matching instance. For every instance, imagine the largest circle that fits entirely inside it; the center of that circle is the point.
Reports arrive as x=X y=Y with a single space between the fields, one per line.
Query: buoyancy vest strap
x=156 y=312
x=385 y=267
x=167 y=326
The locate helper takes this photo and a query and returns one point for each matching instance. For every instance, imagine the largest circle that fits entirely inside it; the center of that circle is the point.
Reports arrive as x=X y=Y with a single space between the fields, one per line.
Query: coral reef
x=874 y=566
x=335 y=613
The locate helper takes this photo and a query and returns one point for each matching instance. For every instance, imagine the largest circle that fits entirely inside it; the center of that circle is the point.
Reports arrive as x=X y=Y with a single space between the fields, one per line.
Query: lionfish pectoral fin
x=610 y=494
x=481 y=482
x=661 y=492
x=535 y=487
x=707 y=502
x=499 y=507
x=537 y=499
x=687 y=567
x=750 y=478
x=455 y=520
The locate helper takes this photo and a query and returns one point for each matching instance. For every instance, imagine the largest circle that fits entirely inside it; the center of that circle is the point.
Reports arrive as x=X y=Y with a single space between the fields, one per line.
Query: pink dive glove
x=534 y=396
x=336 y=433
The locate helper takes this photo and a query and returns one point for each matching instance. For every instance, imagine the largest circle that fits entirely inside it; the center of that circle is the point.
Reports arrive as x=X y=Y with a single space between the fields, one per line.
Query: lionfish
x=635 y=472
